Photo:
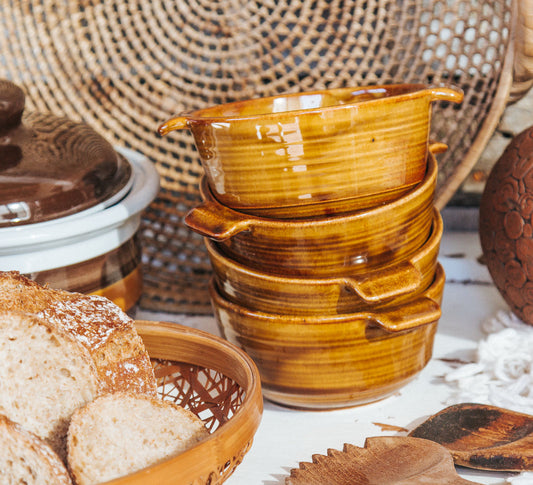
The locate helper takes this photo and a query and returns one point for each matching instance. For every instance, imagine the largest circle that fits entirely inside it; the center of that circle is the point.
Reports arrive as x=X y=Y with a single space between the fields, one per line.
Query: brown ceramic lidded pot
x=52 y=167
x=69 y=203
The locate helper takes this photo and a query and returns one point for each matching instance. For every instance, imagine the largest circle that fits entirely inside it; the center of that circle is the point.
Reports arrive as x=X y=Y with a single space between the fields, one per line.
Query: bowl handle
x=436 y=147
x=416 y=313
x=386 y=283
x=455 y=95
x=216 y=222
x=178 y=123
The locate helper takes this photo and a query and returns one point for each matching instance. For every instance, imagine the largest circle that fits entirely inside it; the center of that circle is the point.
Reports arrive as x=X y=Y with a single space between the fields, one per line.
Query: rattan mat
x=125 y=66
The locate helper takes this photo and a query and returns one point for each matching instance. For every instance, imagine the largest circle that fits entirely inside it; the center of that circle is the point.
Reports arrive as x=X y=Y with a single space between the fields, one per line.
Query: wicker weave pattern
x=210 y=395
x=126 y=66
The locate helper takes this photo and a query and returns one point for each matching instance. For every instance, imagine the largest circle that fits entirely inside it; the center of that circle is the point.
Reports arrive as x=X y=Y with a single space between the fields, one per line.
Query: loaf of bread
x=44 y=377
x=26 y=459
x=97 y=323
x=121 y=433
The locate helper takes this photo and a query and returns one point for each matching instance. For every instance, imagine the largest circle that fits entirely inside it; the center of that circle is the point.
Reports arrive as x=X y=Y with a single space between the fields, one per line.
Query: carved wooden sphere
x=506 y=227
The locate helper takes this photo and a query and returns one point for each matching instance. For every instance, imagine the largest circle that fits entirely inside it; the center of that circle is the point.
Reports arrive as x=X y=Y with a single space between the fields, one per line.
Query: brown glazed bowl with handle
x=298 y=155
x=329 y=246
x=323 y=362
x=387 y=285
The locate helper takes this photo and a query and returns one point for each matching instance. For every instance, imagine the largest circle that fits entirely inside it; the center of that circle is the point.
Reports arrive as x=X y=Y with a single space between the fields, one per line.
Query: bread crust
x=46 y=466
x=121 y=433
x=97 y=323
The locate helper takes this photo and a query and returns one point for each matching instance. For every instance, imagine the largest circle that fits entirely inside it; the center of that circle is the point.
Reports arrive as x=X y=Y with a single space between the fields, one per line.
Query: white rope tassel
x=503 y=372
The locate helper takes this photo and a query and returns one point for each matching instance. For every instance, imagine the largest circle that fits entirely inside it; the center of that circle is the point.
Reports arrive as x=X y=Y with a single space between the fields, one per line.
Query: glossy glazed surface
x=69 y=240
x=265 y=156
x=89 y=252
x=328 y=362
x=116 y=275
x=52 y=167
x=388 y=285
x=333 y=246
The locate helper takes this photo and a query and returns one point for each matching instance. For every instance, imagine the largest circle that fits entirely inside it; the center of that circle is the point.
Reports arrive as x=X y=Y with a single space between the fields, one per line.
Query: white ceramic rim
x=72 y=239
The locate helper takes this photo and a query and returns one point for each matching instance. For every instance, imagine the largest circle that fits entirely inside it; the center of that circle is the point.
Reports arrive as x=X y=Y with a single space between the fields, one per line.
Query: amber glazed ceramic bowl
x=264 y=156
x=329 y=246
x=217 y=382
x=390 y=284
x=335 y=361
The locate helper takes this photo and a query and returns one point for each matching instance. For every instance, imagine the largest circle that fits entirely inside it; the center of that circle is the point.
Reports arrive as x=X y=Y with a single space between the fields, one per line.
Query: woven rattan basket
x=218 y=383
x=125 y=66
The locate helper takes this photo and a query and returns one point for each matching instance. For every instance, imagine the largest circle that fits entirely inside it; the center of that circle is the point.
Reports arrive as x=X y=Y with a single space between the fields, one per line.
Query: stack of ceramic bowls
x=320 y=224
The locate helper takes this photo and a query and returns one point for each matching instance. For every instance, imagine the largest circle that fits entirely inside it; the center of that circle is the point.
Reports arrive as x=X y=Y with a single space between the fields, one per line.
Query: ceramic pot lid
x=52 y=167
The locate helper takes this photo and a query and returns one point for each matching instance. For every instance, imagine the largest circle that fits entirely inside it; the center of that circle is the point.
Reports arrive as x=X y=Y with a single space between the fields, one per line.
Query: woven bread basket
x=126 y=66
x=218 y=383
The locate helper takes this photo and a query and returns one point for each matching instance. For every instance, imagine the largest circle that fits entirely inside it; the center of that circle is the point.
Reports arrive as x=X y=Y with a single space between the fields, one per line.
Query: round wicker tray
x=126 y=66
x=217 y=382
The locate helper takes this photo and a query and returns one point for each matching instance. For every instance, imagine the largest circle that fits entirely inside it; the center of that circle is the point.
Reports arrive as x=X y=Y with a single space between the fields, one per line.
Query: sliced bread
x=121 y=433
x=97 y=323
x=44 y=377
x=26 y=459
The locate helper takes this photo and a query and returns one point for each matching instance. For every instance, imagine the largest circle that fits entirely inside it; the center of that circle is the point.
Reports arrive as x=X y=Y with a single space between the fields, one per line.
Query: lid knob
x=11 y=105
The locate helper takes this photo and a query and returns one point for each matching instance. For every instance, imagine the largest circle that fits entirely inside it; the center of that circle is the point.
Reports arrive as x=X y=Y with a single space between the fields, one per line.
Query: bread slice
x=26 y=459
x=97 y=323
x=121 y=433
x=44 y=377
